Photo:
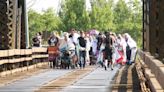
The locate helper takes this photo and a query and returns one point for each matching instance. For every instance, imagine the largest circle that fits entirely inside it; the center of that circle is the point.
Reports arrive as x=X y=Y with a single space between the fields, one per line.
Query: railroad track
x=66 y=80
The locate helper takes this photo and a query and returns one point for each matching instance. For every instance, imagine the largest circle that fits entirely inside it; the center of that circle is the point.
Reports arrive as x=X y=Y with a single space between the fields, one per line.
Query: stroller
x=65 y=59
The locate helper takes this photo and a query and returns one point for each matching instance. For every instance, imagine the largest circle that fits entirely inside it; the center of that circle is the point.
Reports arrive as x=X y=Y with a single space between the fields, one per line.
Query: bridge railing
x=16 y=60
x=153 y=71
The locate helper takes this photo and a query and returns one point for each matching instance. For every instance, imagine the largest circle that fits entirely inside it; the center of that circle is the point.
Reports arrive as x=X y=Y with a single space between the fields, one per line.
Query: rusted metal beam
x=153 y=25
x=12 y=24
x=11 y=12
x=18 y=28
x=143 y=26
x=21 y=3
x=3 y=25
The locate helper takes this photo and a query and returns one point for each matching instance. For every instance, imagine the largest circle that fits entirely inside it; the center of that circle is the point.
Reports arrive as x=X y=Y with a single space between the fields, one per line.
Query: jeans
x=82 y=60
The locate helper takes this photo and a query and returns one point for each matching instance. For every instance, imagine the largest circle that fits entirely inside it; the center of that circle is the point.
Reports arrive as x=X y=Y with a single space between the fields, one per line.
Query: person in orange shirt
x=53 y=51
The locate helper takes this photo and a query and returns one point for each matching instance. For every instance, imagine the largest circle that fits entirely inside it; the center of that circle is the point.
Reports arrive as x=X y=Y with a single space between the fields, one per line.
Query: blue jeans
x=82 y=60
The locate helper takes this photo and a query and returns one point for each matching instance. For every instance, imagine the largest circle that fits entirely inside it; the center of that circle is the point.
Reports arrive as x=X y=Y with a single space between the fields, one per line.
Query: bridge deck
x=97 y=81
x=30 y=84
x=90 y=79
x=94 y=79
x=126 y=80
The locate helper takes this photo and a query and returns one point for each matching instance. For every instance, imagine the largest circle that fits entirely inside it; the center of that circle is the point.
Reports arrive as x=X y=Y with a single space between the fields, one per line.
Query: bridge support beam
x=4 y=40
x=12 y=24
x=22 y=4
x=12 y=13
x=153 y=27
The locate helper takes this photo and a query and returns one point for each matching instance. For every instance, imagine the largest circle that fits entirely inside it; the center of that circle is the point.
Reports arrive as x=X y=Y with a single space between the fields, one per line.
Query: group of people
x=77 y=45
x=108 y=48
x=115 y=49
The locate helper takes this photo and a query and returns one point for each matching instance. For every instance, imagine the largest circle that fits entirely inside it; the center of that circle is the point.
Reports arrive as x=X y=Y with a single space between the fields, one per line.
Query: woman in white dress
x=88 y=46
x=122 y=48
x=132 y=46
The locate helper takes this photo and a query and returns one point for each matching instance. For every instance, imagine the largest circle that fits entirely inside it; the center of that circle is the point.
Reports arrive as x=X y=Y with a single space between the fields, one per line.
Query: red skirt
x=119 y=60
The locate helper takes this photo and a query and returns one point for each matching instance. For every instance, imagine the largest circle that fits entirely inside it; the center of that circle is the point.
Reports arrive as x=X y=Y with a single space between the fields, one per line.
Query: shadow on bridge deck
x=126 y=80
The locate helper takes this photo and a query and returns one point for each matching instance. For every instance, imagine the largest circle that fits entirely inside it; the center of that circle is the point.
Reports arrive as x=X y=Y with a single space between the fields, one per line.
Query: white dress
x=88 y=46
x=115 y=55
x=100 y=54
x=133 y=46
x=94 y=45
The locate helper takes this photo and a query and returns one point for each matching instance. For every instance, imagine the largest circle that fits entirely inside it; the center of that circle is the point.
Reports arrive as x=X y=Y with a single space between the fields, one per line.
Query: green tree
x=50 y=20
x=136 y=8
x=102 y=15
x=128 y=18
x=35 y=23
x=122 y=17
x=74 y=15
x=47 y=21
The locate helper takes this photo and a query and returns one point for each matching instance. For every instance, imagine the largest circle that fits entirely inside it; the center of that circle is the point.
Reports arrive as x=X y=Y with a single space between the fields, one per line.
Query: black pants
x=128 y=54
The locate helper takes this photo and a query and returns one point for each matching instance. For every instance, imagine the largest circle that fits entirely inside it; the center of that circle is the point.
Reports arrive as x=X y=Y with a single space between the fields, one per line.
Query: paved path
x=34 y=82
x=97 y=81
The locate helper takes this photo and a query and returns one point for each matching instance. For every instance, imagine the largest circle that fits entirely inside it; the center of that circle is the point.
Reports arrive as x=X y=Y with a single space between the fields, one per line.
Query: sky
x=40 y=5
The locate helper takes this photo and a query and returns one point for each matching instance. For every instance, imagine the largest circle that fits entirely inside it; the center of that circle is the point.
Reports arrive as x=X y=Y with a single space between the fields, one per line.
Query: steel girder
x=22 y=5
x=4 y=41
x=7 y=24
x=153 y=25
x=12 y=13
x=12 y=24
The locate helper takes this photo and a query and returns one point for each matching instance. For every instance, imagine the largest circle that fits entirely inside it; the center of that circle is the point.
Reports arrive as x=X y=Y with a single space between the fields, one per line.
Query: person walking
x=131 y=48
x=82 y=50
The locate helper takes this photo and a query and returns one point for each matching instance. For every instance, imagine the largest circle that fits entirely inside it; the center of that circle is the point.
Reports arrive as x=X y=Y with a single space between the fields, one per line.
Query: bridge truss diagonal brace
x=12 y=13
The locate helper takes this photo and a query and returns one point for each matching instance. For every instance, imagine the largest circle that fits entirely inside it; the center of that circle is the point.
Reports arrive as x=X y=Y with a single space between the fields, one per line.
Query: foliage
x=50 y=21
x=74 y=15
x=104 y=15
x=128 y=18
x=35 y=23
x=47 y=21
x=122 y=17
x=136 y=21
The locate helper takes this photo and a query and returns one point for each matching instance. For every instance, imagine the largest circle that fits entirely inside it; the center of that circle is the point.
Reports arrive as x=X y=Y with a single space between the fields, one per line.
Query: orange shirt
x=53 y=50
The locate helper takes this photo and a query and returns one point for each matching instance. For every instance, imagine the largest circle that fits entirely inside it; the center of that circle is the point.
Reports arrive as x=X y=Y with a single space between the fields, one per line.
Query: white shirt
x=70 y=44
x=75 y=38
x=88 y=44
